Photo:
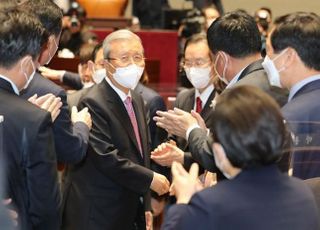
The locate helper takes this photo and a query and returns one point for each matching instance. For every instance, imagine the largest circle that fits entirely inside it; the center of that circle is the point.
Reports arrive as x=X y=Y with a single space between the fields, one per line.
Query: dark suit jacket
x=72 y=80
x=74 y=98
x=31 y=176
x=200 y=144
x=104 y=190
x=303 y=116
x=153 y=102
x=261 y=199
x=185 y=101
x=71 y=140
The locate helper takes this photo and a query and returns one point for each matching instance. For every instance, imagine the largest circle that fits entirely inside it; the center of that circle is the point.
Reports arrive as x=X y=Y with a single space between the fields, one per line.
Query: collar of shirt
x=203 y=96
x=121 y=94
x=235 y=79
x=295 y=88
x=14 y=87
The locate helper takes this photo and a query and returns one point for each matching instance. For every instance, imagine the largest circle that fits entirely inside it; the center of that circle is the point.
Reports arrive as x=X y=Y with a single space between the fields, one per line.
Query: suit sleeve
x=42 y=184
x=200 y=148
x=158 y=135
x=109 y=160
x=72 y=80
x=71 y=140
x=188 y=216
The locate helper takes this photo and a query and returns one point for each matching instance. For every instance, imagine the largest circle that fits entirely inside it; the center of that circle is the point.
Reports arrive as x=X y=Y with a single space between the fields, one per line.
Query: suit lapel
x=138 y=110
x=118 y=108
x=205 y=113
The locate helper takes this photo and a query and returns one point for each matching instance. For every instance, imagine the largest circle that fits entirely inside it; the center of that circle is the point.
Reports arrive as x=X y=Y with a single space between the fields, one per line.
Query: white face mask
x=28 y=79
x=271 y=70
x=98 y=75
x=51 y=56
x=129 y=76
x=220 y=167
x=223 y=77
x=199 y=77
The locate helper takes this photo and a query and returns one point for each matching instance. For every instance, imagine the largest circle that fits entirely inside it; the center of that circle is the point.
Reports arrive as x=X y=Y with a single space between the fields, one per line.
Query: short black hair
x=49 y=14
x=95 y=51
x=249 y=125
x=235 y=33
x=21 y=34
x=300 y=31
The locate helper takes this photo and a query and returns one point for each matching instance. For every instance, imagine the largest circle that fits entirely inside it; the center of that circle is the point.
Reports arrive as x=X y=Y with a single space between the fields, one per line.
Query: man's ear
x=290 y=57
x=91 y=65
x=24 y=62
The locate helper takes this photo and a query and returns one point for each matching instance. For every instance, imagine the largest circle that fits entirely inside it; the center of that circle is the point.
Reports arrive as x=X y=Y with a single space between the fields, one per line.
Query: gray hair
x=118 y=35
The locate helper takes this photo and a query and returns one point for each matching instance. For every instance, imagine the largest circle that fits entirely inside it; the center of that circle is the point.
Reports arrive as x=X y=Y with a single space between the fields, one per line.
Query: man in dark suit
x=30 y=177
x=234 y=40
x=70 y=135
x=200 y=72
x=109 y=189
x=293 y=61
x=257 y=195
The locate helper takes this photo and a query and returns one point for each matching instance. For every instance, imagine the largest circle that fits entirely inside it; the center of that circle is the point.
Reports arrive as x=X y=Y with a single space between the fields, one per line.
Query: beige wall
x=278 y=7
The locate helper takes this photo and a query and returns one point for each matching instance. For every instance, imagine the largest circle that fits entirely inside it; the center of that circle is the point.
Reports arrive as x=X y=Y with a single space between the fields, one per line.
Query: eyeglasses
x=127 y=60
x=200 y=62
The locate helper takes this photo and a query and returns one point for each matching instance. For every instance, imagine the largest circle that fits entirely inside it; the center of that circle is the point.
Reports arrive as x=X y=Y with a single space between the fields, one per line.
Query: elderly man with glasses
x=110 y=188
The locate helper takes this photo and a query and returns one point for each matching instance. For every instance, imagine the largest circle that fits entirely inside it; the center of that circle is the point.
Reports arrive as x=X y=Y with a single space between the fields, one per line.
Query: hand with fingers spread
x=81 y=116
x=175 y=121
x=166 y=153
x=200 y=120
x=185 y=184
x=159 y=184
x=48 y=102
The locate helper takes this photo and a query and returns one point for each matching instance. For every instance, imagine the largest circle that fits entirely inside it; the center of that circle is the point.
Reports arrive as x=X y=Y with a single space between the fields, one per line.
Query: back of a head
x=49 y=14
x=300 y=31
x=21 y=34
x=249 y=125
x=235 y=33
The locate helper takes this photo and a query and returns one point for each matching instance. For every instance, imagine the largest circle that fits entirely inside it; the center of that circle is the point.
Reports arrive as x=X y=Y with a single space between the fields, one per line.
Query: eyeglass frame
x=195 y=64
x=128 y=62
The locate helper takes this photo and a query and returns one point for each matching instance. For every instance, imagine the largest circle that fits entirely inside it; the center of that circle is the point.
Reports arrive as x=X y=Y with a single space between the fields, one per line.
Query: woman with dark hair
x=249 y=135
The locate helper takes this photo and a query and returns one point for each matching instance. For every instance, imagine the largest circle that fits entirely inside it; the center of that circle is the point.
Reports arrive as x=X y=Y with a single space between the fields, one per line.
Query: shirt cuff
x=192 y=127
x=62 y=75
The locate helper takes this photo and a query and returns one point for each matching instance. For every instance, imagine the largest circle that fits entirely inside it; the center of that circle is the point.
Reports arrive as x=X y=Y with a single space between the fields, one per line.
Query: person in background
x=293 y=62
x=30 y=172
x=263 y=17
x=70 y=134
x=118 y=157
x=248 y=137
x=74 y=31
x=210 y=14
x=200 y=71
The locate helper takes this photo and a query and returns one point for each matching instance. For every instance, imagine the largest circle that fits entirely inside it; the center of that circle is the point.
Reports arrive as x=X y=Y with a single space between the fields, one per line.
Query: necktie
x=133 y=119
x=198 y=105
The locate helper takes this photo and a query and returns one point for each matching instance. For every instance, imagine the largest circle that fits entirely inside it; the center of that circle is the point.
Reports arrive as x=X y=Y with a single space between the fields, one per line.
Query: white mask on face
x=98 y=75
x=199 y=77
x=28 y=79
x=51 y=56
x=219 y=165
x=128 y=76
x=271 y=70
x=223 y=77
